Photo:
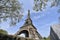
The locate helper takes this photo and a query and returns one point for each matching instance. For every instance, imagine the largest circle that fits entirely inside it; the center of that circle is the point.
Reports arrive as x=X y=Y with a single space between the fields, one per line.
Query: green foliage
x=39 y=5
x=11 y=9
x=55 y=3
x=3 y=32
x=44 y=38
x=48 y=38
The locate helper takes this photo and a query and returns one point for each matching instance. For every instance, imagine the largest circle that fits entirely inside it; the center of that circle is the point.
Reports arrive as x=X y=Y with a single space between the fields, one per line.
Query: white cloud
x=25 y=13
x=39 y=16
x=44 y=30
x=36 y=17
x=49 y=24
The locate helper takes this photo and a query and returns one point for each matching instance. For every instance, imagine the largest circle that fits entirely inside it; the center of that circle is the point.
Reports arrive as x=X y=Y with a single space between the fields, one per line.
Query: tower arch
x=29 y=29
x=25 y=32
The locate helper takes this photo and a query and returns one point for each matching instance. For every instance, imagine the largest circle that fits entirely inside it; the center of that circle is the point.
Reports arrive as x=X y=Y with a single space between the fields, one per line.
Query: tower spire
x=28 y=20
x=28 y=14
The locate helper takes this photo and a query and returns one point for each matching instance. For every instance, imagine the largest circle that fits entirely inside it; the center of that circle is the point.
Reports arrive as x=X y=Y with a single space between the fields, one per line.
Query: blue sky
x=41 y=20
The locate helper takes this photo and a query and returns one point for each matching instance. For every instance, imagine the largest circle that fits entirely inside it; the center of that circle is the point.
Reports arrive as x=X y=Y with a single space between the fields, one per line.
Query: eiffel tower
x=29 y=29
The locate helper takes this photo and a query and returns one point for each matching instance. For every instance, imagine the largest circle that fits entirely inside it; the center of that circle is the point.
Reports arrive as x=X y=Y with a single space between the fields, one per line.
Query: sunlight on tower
x=22 y=35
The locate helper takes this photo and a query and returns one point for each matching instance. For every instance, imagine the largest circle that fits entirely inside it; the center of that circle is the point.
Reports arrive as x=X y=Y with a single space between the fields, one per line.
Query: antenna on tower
x=28 y=13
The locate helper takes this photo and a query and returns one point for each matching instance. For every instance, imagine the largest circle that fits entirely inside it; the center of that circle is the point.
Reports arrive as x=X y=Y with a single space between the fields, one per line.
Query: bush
x=3 y=31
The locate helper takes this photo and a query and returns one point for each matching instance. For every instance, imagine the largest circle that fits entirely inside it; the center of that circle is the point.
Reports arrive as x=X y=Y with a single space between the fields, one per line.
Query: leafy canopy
x=3 y=31
x=39 y=5
x=11 y=9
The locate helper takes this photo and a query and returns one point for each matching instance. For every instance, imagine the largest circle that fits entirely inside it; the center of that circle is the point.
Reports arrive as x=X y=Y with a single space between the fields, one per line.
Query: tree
x=48 y=38
x=44 y=38
x=39 y=5
x=3 y=32
x=10 y=9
